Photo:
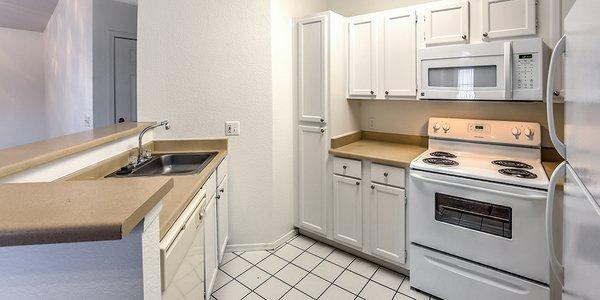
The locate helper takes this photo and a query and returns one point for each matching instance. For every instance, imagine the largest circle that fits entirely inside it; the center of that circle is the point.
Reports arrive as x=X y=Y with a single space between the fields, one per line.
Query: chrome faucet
x=141 y=157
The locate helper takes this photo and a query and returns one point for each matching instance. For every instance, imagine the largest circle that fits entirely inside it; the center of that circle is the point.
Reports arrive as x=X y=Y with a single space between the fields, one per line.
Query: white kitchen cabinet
x=222 y=216
x=347 y=211
x=507 y=18
x=362 y=57
x=399 y=53
x=210 y=245
x=447 y=23
x=387 y=222
x=312 y=198
x=312 y=68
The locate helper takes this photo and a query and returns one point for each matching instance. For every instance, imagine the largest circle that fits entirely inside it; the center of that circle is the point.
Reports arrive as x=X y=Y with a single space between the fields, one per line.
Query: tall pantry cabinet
x=320 y=76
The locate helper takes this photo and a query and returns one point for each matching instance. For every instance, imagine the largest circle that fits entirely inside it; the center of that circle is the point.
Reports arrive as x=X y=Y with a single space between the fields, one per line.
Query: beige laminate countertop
x=185 y=187
x=76 y=211
x=389 y=153
x=20 y=158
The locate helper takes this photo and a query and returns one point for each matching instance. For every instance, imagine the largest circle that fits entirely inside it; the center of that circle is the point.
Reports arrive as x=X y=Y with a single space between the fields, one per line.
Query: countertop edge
x=37 y=160
x=138 y=215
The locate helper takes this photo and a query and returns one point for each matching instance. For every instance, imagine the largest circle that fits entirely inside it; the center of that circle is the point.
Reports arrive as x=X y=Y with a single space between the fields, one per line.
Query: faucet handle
x=132 y=160
x=147 y=154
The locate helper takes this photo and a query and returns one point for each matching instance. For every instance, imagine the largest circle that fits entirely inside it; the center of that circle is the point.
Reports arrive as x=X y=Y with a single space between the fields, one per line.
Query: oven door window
x=476 y=215
x=463 y=78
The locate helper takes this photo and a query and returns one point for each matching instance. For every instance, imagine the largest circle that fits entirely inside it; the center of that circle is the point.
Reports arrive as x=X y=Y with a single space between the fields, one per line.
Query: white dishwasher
x=182 y=254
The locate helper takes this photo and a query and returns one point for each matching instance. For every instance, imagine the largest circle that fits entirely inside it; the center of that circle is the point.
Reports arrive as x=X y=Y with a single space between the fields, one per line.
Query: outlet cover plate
x=232 y=128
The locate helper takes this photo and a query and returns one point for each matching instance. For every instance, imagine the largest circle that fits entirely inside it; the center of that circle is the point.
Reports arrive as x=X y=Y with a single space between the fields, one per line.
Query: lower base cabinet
x=347 y=211
x=387 y=223
x=211 y=255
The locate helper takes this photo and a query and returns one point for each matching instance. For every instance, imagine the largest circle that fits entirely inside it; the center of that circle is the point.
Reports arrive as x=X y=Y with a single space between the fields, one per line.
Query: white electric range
x=477 y=201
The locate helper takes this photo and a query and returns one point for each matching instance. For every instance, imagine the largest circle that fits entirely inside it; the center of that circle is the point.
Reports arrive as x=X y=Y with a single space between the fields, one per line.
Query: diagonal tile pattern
x=305 y=269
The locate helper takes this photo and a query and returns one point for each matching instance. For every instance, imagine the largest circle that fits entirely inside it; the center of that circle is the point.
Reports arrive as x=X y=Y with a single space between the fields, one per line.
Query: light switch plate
x=232 y=128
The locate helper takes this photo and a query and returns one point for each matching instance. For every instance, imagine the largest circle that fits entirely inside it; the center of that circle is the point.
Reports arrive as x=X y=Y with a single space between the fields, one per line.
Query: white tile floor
x=305 y=269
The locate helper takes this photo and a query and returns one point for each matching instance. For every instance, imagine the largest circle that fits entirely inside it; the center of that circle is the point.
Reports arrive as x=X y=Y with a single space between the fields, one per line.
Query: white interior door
x=125 y=76
x=399 y=65
x=347 y=210
x=312 y=69
x=388 y=222
x=312 y=188
x=362 y=51
x=447 y=23
x=507 y=18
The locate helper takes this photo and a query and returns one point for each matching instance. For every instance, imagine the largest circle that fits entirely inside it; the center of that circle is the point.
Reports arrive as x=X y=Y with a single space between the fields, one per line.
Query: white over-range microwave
x=505 y=70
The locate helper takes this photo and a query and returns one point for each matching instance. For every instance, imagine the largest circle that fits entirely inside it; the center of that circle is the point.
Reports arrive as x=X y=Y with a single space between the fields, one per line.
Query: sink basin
x=171 y=164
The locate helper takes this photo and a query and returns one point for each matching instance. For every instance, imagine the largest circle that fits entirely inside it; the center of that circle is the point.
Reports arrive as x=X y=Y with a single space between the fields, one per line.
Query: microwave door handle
x=556 y=53
x=508 y=70
x=555 y=266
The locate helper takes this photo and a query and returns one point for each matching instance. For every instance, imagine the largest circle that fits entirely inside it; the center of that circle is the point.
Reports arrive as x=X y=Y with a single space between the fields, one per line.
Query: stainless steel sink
x=170 y=165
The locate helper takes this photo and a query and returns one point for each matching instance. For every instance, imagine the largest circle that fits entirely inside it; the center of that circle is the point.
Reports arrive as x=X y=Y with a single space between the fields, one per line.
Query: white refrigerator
x=579 y=269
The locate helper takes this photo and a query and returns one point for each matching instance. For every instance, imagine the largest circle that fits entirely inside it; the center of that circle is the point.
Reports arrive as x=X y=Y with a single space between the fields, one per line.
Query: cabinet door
x=312 y=69
x=399 y=58
x=210 y=245
x=347 y=211
x=388 y=222
x=507 y=18
x=312 y=210
x=447 y=23
x=362 y=55
x=222 y=216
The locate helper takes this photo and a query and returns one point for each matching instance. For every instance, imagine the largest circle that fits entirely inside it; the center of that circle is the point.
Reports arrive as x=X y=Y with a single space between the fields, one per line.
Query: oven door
x=466 y=72
x=497 y=225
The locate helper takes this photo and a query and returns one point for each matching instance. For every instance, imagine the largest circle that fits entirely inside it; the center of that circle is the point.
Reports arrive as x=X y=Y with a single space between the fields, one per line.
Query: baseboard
x=261 y=246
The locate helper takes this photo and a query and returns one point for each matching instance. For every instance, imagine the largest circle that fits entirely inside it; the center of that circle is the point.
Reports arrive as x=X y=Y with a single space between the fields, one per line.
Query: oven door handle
x=555 y=265
x=503 y=193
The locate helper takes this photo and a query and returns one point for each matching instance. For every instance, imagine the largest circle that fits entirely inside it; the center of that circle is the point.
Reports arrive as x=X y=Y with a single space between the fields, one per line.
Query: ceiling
x=30 y=15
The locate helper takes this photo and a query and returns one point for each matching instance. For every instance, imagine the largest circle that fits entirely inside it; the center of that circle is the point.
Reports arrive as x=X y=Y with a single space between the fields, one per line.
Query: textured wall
x=68 y=67
x=201 y=63
x=22 y=116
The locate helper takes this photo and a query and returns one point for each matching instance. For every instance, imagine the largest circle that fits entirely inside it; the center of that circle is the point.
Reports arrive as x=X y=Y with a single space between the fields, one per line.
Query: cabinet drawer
x=210 y=186
x=387 y=175
x=221 y=171
x=347 y=167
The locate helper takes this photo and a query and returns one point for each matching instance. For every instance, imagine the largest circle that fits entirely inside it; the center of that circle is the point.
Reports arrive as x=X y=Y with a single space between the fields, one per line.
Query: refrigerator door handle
x=556 y=53
x=555 y=266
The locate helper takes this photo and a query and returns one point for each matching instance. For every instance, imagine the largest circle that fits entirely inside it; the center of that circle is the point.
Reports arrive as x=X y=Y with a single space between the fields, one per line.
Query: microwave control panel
x=526 y=71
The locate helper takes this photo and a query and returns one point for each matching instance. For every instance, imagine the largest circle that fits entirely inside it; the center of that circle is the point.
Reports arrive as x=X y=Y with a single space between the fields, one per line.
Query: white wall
x=22 y=113
x=68 y=68
x=350 y=8
x=118 y=18
x=282 y=14
x=201 y=63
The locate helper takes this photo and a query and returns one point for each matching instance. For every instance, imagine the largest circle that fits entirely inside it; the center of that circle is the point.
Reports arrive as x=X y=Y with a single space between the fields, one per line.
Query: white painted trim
x=262 y=246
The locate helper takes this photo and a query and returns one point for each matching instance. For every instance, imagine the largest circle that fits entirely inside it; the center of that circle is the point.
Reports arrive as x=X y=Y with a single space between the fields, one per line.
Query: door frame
x=113 y=34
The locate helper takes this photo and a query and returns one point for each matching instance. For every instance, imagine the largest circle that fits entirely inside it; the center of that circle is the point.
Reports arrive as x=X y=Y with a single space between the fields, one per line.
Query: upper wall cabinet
x=399 y=53
x=447 y=23
x=312 y=69
x=382 y=55
x=507 y=18
x=362 y=54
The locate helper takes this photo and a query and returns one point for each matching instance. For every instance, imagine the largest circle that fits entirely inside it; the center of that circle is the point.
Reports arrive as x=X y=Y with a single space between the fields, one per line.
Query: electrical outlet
x=371 y=122
x=232 y=127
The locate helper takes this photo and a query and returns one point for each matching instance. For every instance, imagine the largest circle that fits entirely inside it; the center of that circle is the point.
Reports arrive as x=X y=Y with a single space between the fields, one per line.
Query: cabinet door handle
x=464 y=36
x=387 y=92
x=372 y=93
x=344 y=167
x=385 y=174
x=322 y=130
x=222 y=190
x=485 y=34
x=372 y=187
x=218 y=197
x=358 y=183
x=322 y=120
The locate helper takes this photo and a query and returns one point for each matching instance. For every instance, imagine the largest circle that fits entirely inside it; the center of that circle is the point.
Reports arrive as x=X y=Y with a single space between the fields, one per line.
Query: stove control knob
x=528 y=133
x=516 y=132
x=436 y=127
x=446 y=127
